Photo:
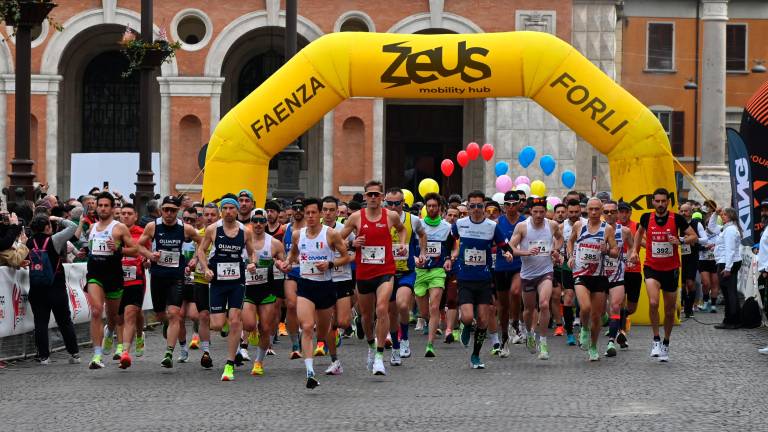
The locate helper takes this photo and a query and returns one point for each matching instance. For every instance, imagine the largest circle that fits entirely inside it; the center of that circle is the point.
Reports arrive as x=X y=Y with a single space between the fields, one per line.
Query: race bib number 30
x=372 y=255
x=228 y=271
x=475 y=257
x=661 y=249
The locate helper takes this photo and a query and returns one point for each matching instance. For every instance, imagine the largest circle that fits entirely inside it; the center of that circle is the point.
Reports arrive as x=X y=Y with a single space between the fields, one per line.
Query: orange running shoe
x=282 y=330
x=125 y=360
x=559 y=330
x=195 y=342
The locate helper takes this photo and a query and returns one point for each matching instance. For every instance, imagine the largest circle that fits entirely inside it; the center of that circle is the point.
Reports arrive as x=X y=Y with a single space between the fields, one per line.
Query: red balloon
x=462 y=158
x=447 y=167
x=473 y=150
x=487 y=152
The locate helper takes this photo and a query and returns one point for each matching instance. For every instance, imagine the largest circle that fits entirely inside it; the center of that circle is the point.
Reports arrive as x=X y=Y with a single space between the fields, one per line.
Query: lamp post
x=28 y=15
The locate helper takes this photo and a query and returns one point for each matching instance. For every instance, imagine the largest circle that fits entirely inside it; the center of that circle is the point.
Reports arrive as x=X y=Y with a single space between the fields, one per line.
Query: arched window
x=257 y=70
x=110 y=105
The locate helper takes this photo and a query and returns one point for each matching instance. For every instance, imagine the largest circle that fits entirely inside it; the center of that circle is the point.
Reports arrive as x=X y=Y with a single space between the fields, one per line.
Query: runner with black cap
x=166 y=234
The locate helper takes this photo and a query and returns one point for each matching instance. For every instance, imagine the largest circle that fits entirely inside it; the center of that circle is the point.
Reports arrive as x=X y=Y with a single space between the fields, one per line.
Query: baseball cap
x=171 y=200
x=764 y=203
x=258 y=211
x=603 y=196
x=624 y=206
x=297 y=202
x=272 y=205
x=245 y=193
x=511 y=196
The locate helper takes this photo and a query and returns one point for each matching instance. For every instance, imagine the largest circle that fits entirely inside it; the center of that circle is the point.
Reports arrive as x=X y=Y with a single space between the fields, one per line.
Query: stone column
x=712 y=172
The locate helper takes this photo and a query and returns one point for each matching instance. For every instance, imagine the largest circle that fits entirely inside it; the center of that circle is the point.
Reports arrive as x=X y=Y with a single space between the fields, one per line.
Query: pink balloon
x=553 y=200
x=487 y=152
x=473 y=150
x=523 y=180
x=503 y=183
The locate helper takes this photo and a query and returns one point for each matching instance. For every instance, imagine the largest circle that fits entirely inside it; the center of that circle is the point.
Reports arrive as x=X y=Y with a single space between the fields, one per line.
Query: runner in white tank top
x=538 y=242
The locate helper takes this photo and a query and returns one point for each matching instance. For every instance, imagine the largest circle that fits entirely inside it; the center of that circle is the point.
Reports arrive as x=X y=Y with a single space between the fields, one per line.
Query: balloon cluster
x=463 y=157
x=527 y=155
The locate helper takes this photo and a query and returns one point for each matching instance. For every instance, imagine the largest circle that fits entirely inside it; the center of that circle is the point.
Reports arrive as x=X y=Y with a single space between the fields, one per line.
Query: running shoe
x=610 y=350
x=378 y=365
x=577 y=322
x=656 y=349
x=258 y=369
x=504 y=351
x=593 y=354
x=311 y=380
x=118 y=352
x=348 y=332
x=495 y=349
x=96 y=362
x=125 y=360
x=321 y=349
x=45 y=361
x=206 y=361
x=244 y=354
x=183 y=356
x=405 y=348
x=335 y=368
x=438 y=332
x=270 y=351
x=224 y=331
x=167 y=361
x=713 y=308
x=281 y=330
x=229 y=373
x=705 y=307
x=570 y=340
x=396 y=359
x=359 y=328
x=430 y=351
x=107 y=341
x=195 y=342
x=763 y=350
x=584 y=338
x=449 y=338
x=475 y=363
x=466 y=335
x=369 y=361
x=530 y=342
x=543 y=351
x=74 y=358
x=621 y=339
x=420 y=324
x=664 y=353
x=140 y=345
x=559 y=330
x=295 y=354
x=388 y=342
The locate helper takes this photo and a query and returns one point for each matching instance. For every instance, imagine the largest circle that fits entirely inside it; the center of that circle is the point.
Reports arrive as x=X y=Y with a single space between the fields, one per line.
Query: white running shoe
x=504 y=352
x=763 y=350
x=577 y=322
x=405 y=348
x=420 y=323
x=244 y=353
x=371 y=354
x=656 y=349
x=45 y=361
x=184 y=356
x=335 y=368
x=664 y=353
x=395 y=360
x=517 y=338
x=378 y=366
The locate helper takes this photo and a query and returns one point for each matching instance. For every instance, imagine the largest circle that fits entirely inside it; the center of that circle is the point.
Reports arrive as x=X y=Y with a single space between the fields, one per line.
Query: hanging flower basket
x=28 y=12
x=146 y=55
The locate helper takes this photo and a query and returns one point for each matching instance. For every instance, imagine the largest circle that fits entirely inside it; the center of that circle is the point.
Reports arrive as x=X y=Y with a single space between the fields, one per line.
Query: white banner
x=16 y=313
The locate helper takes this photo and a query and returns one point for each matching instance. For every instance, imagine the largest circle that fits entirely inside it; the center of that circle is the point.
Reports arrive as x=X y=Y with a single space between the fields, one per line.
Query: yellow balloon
x=427 y=186
x=424 y=212
x=408 y=197
x=538 y=188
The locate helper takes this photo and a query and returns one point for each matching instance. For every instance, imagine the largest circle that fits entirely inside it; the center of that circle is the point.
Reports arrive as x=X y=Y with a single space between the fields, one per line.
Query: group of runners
x=512 y=272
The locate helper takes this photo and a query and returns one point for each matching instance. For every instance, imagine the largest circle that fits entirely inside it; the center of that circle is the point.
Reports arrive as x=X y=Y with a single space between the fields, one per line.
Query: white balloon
x=498 y=197
x=525 y=188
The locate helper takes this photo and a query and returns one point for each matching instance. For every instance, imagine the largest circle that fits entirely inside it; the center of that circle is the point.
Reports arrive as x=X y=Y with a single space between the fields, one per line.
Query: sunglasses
x=605 y=212
x=170 y=209
x=373 y=194
x=297 y=207
x=393 y=203
x=259 y=220
x=511 y=203
x=475 y=206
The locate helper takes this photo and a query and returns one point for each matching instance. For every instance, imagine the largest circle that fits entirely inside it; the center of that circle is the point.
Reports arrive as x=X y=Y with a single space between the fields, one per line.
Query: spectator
x=728 y=267
x=13 y=251
x=454 y=201
x=153 y=212
x=53 y=298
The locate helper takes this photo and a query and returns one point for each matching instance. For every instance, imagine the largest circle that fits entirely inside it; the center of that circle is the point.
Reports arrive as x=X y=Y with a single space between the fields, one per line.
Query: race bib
x=129 y=273
x=685 y=249
x=99 y=247
x=169 y=259
x=543 y=246
x=661 y=249
x=475 y=257
x=434 y=249
x=277 y=274
x=400 y=252
x=372 y=254
x=308 y=268
x=228 y=271
x=611 y=265
x=588 y=255
x=343 y=271
x=257 y=278
x=709 y=255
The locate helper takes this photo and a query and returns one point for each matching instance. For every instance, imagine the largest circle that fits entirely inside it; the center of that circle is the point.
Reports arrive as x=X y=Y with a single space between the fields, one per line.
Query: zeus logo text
x=424 y=66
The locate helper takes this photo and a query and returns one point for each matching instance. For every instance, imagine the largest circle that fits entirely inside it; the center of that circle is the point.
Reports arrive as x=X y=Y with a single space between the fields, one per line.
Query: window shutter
x=678 y=133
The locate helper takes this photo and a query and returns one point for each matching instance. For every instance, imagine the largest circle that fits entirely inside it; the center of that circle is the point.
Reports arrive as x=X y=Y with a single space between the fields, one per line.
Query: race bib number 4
x=259 y=277
x=685 y=249
x=228 y=271
x=475 y=257
x=169 y=259
x=434 y=249
x=99 y=247
x=372 y=255
x=129 y=273
x=661 y=249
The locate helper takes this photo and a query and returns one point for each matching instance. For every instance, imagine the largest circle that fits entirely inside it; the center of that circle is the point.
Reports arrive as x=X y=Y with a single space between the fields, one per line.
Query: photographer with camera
x=13 y=252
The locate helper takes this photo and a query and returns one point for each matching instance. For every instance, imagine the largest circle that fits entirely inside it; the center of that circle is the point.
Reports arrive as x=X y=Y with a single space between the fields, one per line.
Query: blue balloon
x=568 y=178
x=527 y=155
x=501 y=168
x=547 y=164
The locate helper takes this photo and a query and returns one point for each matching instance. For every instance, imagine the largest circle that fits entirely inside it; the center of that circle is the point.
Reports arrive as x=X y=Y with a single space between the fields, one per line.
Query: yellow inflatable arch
x=531 y=64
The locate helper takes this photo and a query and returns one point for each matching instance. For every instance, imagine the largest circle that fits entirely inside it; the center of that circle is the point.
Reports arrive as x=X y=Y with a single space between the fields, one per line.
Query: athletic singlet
x=263 y=265
x=475 y=242
x=589 y=257
x=313 y=251
x=168 y=241
x=661 y=254
x=287 y=241
x=567 y=227
x=343 y=273
x=439 y=242
x=405 y=263
x=226 y=256
x=374 y=258
x=198 y=276
x=613 y=268
x=101 y=260
x=631 y=268
x=507 y=228
x=540 y=264
x=133 y=270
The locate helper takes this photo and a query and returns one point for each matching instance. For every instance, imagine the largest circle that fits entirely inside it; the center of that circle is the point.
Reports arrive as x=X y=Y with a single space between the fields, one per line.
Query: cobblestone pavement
x=714 y=382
